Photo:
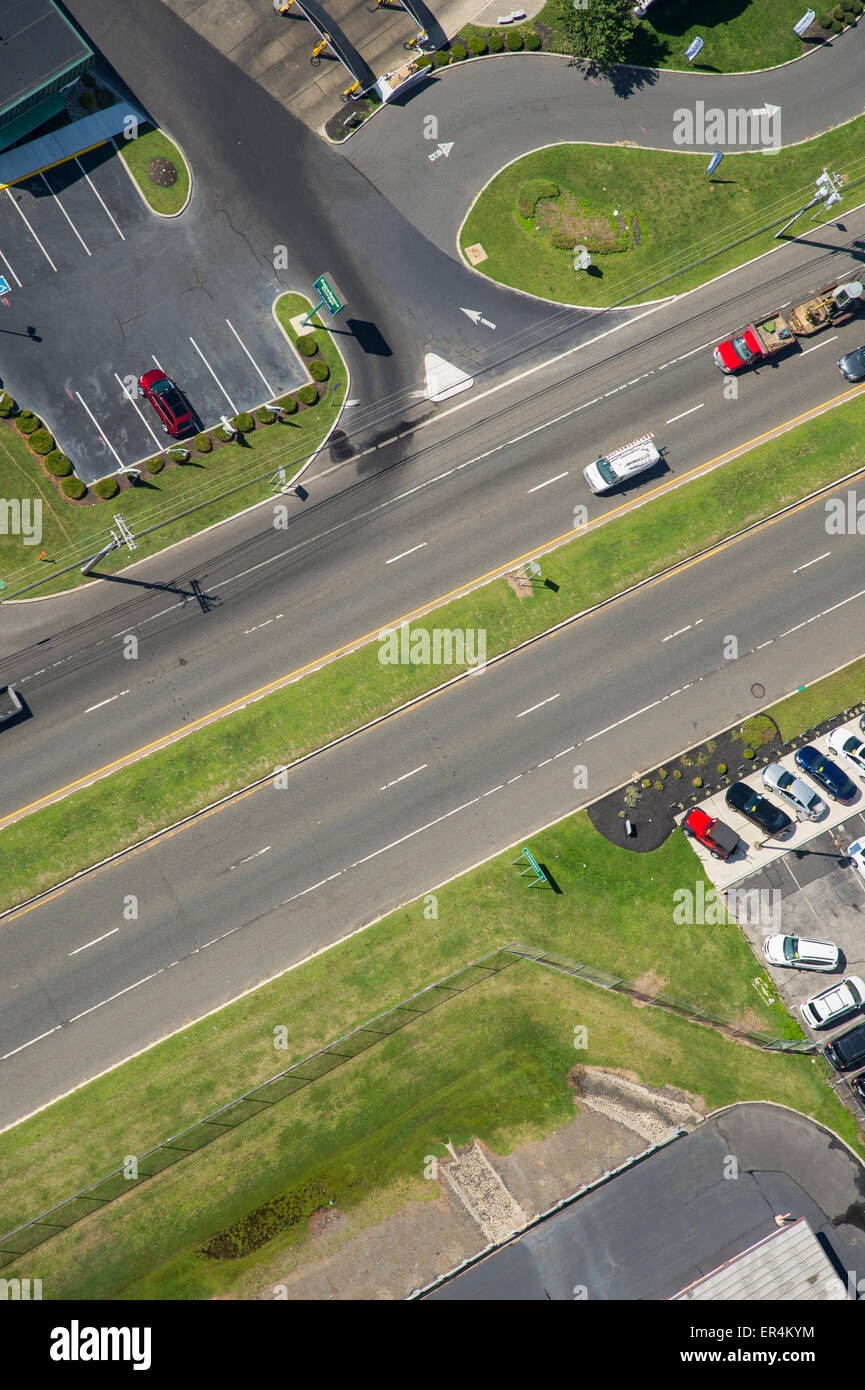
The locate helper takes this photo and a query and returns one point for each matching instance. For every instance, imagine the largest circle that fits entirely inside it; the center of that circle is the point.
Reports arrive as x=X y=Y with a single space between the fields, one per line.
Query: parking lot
x=96 y=290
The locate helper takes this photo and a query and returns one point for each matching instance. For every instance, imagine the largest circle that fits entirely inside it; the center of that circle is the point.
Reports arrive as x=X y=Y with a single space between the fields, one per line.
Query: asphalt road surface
x=485 y=481
x=388 y=814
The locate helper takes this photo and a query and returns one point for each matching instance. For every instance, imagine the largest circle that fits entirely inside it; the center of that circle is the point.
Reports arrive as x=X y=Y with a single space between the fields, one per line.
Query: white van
x=619 y=465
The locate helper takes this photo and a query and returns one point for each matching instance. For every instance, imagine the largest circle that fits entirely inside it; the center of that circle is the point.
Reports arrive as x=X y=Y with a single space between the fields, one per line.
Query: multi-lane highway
x=490 y=478
x=386 y=815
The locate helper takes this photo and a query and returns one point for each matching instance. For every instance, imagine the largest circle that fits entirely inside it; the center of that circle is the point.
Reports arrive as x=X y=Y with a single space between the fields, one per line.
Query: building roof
x=790 y=1264
x=37 y=45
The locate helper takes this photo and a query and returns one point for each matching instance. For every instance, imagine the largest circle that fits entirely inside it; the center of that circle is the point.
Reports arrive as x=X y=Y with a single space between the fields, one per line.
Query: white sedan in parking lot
x=800 y=953
x=849 y=749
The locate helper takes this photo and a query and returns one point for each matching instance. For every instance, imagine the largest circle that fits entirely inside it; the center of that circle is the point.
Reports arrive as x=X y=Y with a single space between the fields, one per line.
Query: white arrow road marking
x=476 y=316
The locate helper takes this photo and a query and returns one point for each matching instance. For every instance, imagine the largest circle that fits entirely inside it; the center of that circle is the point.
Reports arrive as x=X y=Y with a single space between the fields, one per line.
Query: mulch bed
x=652 y=809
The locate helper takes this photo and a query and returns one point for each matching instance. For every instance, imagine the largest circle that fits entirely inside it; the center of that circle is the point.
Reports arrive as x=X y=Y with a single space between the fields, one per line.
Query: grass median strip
x=57 y=840
x=492 y=1063
x=222 y=475
x=158 y=168
x=636 y=210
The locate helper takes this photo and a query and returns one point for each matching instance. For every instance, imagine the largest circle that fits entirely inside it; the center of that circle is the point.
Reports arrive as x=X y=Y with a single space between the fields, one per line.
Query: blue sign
x=691 y=53
x=714 y=162
x=5 y=287
x=804 y=23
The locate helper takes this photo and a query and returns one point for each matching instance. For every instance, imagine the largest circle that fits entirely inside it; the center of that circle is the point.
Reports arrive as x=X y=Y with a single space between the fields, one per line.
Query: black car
x=847 y=1053
x=825 y=773
x=852 y=364
x=858 y=1086
x=770 y=819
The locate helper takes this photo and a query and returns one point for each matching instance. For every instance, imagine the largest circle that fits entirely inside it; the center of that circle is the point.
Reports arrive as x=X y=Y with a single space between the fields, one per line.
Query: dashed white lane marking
x=9 y=268
x=270 y=389
x=118 y=995
x=105 y=207
x=673 y=420
x=213 y=374
x=99 y=430
x=66 y=214
x=396 y=780
x=37 y=1039
x=249 y=858
x=91 y=708
x=815 y=561
x=540 y=705
x=403 y=554
x=637 y=712
x=259 y=626
x=145 y=422
x=680 y=630
x=23 y=217
x=94 y=942
x=824 y=343
x=556 y=479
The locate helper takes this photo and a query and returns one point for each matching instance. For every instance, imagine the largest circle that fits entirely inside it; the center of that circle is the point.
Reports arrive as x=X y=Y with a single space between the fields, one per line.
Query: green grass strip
x=149 y=144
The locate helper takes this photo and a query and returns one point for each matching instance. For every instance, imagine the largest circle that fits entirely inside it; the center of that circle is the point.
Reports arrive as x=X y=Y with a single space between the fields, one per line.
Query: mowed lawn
x=491 y=1062
x=691 y=228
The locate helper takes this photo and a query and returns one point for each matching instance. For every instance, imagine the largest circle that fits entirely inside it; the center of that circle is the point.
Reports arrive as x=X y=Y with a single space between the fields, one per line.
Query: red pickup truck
x=718 y=838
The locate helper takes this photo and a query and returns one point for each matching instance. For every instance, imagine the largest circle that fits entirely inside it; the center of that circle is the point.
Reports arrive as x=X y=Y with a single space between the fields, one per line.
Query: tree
x=597 y=30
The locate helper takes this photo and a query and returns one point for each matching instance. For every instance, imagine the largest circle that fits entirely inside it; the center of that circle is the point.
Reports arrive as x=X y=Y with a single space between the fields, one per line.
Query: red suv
x=170 y=404
x=717 y=837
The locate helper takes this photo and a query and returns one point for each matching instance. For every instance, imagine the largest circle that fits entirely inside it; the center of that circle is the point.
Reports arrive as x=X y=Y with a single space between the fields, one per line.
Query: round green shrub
x=203 y=443
x=7 y=405
x=646 y=783
x=106 y=488
x=677 y=773
x=178 y=454
x=514 y=41
x=837 y=26
x=243 y=422
x=28 y=423
x=697 y=782
x=222 y=434
x=722 y=769
x=458 y=53
x=288 y=404
x=477 y=45
x=307 y=345
x=42 y=441
x=155 y=465
x=495 y=43
x=857 y=7
x=73 y=488
x=846 y=6
x=424 y=61
x=659 y=786
x=264 y=416
x=748 y=753
x=57 y=464
x=662 y=773
x=319 y=371
x=441 y=59
x=533 y=42
x=307 y=395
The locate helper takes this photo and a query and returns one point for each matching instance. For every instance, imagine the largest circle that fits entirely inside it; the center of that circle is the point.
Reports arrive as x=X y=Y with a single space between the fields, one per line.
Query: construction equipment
x=833 y=304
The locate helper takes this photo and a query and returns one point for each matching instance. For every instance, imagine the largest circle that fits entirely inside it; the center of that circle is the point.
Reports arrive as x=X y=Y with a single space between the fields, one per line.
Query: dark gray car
x=852 y=364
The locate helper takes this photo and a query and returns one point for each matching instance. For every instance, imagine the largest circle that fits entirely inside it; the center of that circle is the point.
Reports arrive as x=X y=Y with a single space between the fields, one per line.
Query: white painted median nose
x=443 y=379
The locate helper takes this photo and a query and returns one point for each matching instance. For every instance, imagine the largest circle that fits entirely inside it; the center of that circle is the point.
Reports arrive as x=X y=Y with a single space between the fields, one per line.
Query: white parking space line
x=95 y=942
x=684 y=413
x=133 y=402
x=102 y=435
x=159 y=364
x=270 y=389
x=825 y=343
x=9 y=268
x=91 y=708
x=532 y=708
x=815 y=561
x=66 y=214
x=101 y=199
x=397 y=780
x=234 y=410
x=556 y=479
x=31 y=231
x=402 y=556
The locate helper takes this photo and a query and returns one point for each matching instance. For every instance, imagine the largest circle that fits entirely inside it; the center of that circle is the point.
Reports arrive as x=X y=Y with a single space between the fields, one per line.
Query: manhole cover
x=162 y=172
x=758 y=690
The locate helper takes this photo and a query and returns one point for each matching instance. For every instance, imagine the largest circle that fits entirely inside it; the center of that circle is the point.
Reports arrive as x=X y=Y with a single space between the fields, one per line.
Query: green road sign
x=328 y=294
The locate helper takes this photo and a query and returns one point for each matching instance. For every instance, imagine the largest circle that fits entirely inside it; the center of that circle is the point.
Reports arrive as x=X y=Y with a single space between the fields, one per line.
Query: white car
x=621 y=464
x=856 y=852
x=801 y=953
x=849 y=748
x=794 y=790
x=837 y=1004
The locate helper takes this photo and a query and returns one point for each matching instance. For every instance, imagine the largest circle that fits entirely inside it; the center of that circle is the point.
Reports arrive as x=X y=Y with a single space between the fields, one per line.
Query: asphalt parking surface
x=100 y=290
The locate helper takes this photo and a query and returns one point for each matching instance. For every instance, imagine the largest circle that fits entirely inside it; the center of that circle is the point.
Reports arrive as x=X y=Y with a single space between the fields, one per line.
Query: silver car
x=848 y=748
x=835 y=1005
x=794 y=790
